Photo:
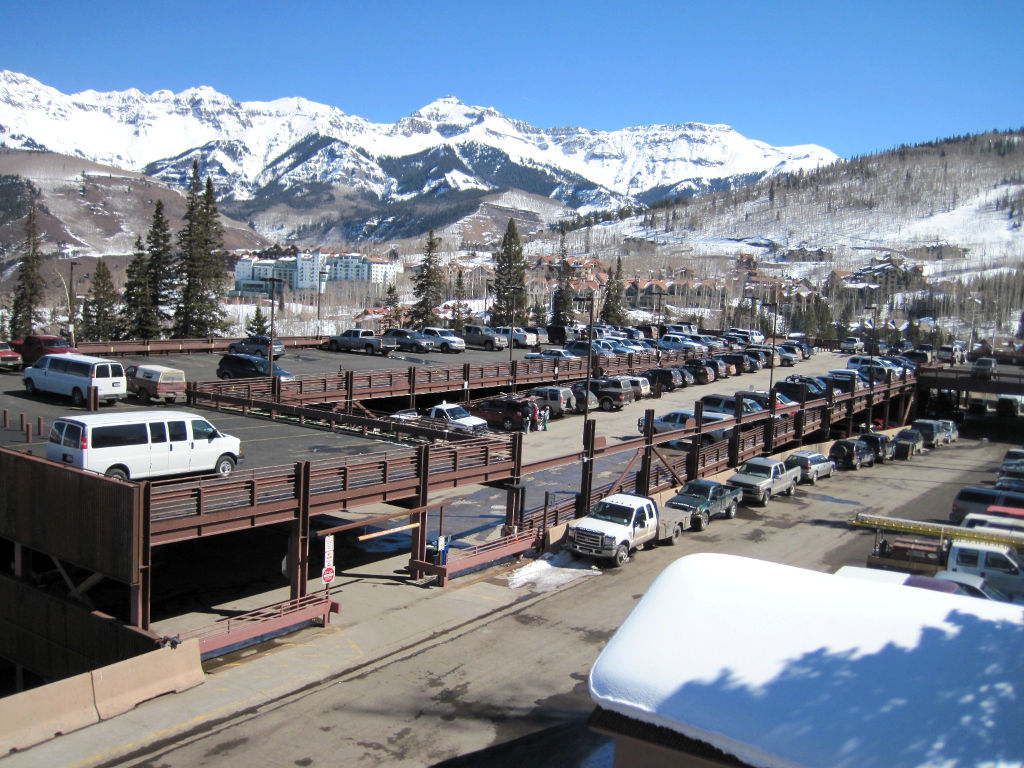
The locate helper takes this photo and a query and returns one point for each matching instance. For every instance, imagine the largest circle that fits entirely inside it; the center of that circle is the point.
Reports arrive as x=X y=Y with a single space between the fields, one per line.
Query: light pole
x=871 y=359
x=71 y=303
x=590 y=357
x=273 y=301
x=771 y=369
x=319 y=291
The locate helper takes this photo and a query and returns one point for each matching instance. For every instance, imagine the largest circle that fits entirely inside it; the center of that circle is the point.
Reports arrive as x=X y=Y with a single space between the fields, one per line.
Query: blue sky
x=853 y=77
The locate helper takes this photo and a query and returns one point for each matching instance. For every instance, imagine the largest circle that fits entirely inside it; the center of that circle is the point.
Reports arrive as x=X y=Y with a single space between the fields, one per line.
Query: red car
x=9 y=359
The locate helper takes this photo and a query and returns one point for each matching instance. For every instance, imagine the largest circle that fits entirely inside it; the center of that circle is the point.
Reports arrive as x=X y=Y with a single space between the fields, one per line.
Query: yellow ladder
x=898 y=525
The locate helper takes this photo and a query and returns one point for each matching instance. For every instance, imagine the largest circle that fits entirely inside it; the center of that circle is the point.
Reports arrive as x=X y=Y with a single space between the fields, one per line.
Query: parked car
x=641 y=386
x=9 y=359
x=74 y=375
x=559 y=399
x=482 y=337
x=410 y=341
x=561 y=334
x=506 y=412
x=908 y=443
x=155 y=382
x=743 y=363
x=883 y=446
x=541 y=332
x=984 y=368
x=445 y=339
x=549 y=353
x=702 y=372
x=583 y=397
x=249 y=367
x=930 y=431
x=518 y=337
x=813 y=465
x=851 y=454
x=257 y=345
x=851 y=345
x=669 y=379
x=727 y=404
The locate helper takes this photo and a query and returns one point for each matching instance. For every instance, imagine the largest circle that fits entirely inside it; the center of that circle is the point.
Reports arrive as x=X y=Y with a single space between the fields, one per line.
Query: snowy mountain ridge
x=295 y=151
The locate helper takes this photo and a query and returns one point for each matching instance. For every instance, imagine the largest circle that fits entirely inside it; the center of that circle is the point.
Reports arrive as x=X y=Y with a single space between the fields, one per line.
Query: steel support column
x=298 y=543
x=141 y=591
x=587 y=469
x=643 y=480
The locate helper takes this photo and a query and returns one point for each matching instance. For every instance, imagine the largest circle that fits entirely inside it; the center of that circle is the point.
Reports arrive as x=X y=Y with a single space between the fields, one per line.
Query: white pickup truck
x=762 y=478
x=622 y=522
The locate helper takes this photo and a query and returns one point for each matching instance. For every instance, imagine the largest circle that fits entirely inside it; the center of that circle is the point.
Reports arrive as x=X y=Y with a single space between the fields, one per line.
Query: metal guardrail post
x=643 y=478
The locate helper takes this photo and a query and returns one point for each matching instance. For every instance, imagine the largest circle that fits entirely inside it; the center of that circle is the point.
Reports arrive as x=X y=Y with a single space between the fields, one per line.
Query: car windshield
x=756 y=470
x=613 y=513
x=57 y=343
x=797 y=461
x=457 y=412
x=696 y=490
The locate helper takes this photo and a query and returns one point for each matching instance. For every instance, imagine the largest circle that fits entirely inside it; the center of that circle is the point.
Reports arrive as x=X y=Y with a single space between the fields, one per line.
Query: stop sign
x=327 y=574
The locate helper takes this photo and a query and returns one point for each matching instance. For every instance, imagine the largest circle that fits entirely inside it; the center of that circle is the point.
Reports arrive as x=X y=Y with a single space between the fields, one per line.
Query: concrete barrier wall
x=39 y=714
x=120 y=687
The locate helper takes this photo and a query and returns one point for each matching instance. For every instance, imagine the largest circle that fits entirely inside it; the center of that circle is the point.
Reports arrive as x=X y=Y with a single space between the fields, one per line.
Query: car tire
x=700 y=522
x=445 y=348
x=489 y=346
x=116 y=473
x=621 y=556
x=368 y=349
x=144 y=396
x=733 y=508
x=677 y=534
x=332 y=346
x=30 y=387
x=224 y=375
x=791 y=490
x=856 y=465
x=607 y=405
x=813 y=480
x=764 y=498
x=506 y=424
x=225 y=465
x=77 y=398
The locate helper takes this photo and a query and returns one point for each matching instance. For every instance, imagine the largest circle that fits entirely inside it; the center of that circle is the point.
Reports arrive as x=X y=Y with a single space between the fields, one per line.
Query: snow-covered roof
x=782 y=666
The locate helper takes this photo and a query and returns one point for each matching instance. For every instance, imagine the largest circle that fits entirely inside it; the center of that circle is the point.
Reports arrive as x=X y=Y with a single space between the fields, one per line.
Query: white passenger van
x=142 y=444
x=73 y=375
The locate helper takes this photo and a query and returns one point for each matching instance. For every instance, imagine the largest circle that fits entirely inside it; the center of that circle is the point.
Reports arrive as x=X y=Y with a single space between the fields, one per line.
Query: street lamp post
x=273 y=301
x=590 y=357
x=71 y=301
x=319 y=291
x=871 y=359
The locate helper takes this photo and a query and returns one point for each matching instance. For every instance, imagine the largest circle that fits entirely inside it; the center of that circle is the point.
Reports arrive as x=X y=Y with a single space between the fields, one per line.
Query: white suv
x=445 y=339
x=851 y=344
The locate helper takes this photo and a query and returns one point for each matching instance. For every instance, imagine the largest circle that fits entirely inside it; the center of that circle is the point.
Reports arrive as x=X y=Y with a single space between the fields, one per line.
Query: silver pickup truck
x=762 y=478
x=361 y=340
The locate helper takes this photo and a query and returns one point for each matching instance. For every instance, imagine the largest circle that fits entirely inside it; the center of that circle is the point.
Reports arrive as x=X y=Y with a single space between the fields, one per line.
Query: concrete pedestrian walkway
x=382 y=614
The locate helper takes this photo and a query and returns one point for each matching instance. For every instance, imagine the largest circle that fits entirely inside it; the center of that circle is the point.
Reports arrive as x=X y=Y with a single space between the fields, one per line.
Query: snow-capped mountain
x=292 y=164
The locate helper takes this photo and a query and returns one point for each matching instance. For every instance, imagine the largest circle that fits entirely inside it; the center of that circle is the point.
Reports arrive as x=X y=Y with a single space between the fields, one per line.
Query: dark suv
x=249 y=367
x=883 y=445
x=506 y=412
x=851 y=454
x=257 y=345
x=669 y=379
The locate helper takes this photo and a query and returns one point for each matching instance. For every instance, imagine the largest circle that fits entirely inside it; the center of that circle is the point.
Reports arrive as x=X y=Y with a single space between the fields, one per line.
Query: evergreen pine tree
x=392 y=311
x=540 y=314
x=139 y=319
x=564 y=294
x=162 y=277
x=613 y=312
x=427 y=285
x=100 y=315
x=28 y=292
x=200 y=243
x=509 y=280
x=259 y=324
